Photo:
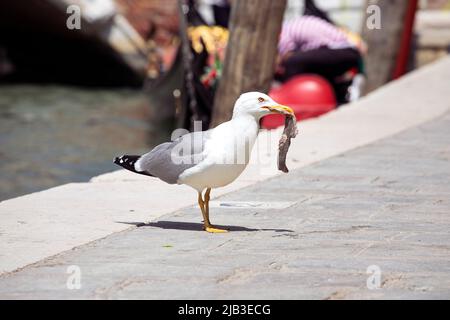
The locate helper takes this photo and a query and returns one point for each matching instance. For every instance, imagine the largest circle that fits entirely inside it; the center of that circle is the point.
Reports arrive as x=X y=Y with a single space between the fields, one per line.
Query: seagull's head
x=258 y=105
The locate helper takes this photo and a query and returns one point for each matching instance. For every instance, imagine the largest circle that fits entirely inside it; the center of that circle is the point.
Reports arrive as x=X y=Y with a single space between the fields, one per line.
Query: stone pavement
x=314 y=234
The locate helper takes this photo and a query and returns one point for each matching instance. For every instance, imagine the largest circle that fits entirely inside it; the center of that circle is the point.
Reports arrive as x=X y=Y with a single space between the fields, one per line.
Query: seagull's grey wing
x=169 y=160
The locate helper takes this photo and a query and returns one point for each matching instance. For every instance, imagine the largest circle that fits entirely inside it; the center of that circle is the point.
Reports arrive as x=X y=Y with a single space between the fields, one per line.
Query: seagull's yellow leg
x=208 y=226
x=201 y=204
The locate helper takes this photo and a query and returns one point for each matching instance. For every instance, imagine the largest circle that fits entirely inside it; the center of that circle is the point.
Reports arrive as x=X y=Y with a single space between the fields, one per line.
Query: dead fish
x=290 y=132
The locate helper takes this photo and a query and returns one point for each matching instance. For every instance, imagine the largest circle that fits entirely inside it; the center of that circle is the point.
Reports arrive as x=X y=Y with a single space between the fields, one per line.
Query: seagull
x=208 y=159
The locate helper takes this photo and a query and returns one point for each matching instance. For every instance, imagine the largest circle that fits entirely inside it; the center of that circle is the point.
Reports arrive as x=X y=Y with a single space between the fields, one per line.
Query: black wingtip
x=128 y=162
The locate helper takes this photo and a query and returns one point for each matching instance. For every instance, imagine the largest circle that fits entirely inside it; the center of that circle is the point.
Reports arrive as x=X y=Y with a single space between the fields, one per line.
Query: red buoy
x=308 y=95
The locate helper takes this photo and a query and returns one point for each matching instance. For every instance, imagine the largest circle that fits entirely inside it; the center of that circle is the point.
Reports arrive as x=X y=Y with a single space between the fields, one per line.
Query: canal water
x=51 y=135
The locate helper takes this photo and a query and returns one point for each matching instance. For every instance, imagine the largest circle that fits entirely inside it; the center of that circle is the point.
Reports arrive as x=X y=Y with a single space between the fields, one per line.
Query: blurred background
x=73 y=98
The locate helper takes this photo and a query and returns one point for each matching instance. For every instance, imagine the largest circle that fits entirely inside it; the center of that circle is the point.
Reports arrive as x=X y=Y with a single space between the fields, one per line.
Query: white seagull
x=208 y=159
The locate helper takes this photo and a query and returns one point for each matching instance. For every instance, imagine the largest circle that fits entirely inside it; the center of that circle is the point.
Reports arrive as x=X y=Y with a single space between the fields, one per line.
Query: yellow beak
x=280 y=109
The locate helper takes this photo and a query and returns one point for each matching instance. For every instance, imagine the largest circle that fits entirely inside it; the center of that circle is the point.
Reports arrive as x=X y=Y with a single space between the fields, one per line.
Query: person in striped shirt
x=309 y=44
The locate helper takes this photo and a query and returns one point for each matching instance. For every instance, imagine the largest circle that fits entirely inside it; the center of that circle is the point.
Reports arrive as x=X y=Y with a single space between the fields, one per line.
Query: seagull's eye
x=261 y=99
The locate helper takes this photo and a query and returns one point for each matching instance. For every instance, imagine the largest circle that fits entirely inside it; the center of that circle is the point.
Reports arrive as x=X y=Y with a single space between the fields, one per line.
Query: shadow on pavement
x=192 y=226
